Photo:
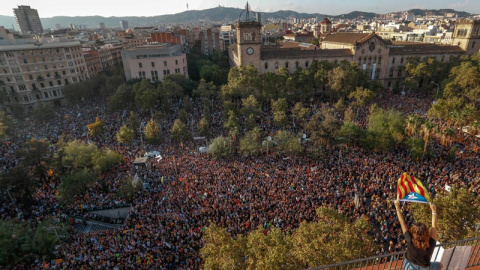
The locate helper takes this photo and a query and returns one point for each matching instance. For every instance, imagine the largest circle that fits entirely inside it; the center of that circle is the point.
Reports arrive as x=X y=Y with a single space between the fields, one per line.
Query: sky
x=107 y=8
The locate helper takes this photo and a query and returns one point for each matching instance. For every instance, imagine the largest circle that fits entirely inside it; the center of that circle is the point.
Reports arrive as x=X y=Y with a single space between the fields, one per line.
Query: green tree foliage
x=333 y=239
x=206 y=90
x=279 y=110
x=288 y=142
x=34 y=152
x=123 y=99
x=133 y=121
x=15 y=243
x=146 y=96
x=127 y=189
x=220 y=147
x=204 y=128
x=351 y=134
x=182 y=115
x=251 y=143
x=6 y=125
x=180 y=131
x=221 y=251
x=43 y=112
x=47 y=235
x=250 y=105
x=361 y=96
x=232 y=124
x=416 y=144
x=323 y=126
x=125 y=135
x=170 y=89
x=242 y=82
x=152 y=132
x=78 y=155
x=299 y=112
x=75 y=184
x=385 y=129
x=345 y=78
x=460 y=100
x=96 y=128
x=457 y=211
x=180 y=79
x=270 y=251
x=20 y=184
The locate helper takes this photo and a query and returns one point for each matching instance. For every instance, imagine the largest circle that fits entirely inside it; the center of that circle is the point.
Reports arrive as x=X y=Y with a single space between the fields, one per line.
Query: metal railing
x=394 y=261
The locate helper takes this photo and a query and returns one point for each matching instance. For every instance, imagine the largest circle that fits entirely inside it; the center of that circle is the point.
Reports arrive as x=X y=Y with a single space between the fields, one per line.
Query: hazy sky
x=107 y=8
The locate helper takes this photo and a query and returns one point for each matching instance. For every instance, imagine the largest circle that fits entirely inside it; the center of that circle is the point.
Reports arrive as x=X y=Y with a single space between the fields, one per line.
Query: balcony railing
x=394 y=261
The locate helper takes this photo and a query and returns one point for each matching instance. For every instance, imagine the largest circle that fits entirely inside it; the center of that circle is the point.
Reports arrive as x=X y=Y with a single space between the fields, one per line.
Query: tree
x=133 y=121
x=323 y=126
x=279 y=110
x=333 y=239
x=34 y=152
x=204 y=128
x=125 y=135
x=361 y=96
x=385 y=129
x=220 y=147
x=288 y=142
x=221 y=251
x=15 y=243
x=206 y=90
x=75 y=184
x=152 y=132
x=270 y=249
x=344 y=78
x=123 y=98
x=180 y=132
x=251 y=143
x=458 y=212
x=232 y=124
x=250 y=106
x=351 y=134
x=127 y=189
x=6 y=125
x=96 y=129
x=105 y=160
x=48 y=234
x=299 y=112
x=43 y=112
x=20 y=185
x=77 y=155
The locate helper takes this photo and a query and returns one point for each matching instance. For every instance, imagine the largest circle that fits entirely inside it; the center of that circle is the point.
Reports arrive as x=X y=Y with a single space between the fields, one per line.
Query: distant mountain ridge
x=217 y=14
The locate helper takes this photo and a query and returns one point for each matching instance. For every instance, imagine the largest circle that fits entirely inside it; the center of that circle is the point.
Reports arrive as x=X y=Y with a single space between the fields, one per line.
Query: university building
x=382 y=60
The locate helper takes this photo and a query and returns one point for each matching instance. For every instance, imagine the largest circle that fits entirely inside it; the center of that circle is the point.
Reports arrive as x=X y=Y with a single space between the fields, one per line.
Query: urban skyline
x=108 y=8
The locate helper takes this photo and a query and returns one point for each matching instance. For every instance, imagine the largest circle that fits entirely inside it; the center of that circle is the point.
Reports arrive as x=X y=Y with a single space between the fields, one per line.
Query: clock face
x=249 y=50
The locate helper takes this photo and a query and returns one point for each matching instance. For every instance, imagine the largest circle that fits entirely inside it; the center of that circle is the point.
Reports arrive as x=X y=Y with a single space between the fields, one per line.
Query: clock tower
x=248 y=38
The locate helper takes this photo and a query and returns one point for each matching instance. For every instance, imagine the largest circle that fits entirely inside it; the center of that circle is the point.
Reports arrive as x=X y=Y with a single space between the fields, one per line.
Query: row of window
x=165 y=63
x=370 y=60
x=154 y=74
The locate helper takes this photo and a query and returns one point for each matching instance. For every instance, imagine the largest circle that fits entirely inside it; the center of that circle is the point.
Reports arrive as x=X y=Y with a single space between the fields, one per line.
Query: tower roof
x=245 y=15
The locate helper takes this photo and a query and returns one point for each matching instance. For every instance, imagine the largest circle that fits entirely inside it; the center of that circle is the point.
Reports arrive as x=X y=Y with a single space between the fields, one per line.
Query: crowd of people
x=186 y=191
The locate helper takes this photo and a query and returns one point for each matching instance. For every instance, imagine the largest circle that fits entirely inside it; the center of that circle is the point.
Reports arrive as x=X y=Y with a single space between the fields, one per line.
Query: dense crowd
x=187 y=191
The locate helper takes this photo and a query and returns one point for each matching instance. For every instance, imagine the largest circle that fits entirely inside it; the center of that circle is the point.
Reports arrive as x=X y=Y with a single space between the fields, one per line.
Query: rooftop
x=294 y=53
x=348 y=38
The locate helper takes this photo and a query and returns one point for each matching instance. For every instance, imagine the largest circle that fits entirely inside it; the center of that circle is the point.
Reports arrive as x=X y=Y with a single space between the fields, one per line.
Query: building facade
x=154 y=62
x=28 y=20
x=382 y=60
x=209 y=41
x=31 y=73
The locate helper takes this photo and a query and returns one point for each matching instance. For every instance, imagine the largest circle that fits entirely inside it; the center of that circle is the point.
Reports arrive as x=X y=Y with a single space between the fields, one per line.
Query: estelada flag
x=410 y=189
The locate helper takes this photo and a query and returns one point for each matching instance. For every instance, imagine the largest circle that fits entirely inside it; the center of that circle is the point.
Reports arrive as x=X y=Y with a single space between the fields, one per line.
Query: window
x=141 y=74
x=391 y=72
x=22 y=87
x=66 y=81
x=34 y=87
x=296 y=64
x=25 y=60
x=401 y=60
x=393 y=60
x=154 y=74
x=42 y=85
x=176 y=62
x=74 y=79
x=50 y=83
x=153 y=64
x=59 y=82
x=379 y=60
x=389 y=84
x=64 y=72
x=45 y=94
x=140 y=65
x=286 y=64
x=164 y=63
x=266 y=65
x=399 y=74
x=306 y=64
x=276 y=65
x=54 y=93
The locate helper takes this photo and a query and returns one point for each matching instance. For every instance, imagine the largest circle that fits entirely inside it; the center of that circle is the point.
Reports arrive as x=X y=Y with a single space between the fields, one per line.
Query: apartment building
x=28 y=20
x=154 y=62
x=37 y=72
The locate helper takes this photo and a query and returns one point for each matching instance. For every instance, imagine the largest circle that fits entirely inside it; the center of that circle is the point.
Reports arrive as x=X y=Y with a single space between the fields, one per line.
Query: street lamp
x=436 y=95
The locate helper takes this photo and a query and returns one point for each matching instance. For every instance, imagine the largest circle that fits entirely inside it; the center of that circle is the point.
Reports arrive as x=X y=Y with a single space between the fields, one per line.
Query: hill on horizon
x=217 y=14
